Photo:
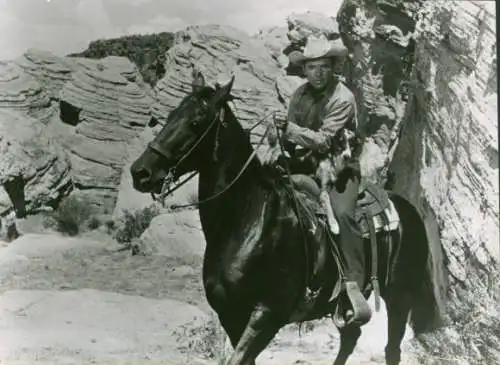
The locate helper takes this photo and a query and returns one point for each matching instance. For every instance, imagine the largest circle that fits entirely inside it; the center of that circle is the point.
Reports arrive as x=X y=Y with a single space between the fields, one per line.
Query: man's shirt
x=314 y=117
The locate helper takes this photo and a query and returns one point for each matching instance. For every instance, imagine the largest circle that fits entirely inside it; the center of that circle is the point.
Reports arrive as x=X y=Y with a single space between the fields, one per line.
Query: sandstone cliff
x=425 y=76
x=89 y=109
x=219 y=51
x=108 y=108
x=36 y=164
x=21 y=91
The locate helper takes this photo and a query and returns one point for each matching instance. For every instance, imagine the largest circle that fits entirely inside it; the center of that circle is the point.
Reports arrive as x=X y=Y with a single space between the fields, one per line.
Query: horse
x=269 y=259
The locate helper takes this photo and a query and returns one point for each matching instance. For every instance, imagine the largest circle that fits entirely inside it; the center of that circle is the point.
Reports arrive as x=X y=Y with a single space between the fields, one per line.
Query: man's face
x=318 y=72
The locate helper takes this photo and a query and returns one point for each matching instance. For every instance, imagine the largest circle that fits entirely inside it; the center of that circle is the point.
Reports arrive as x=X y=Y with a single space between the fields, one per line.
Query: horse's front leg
x=261 y=328
x=349 y=336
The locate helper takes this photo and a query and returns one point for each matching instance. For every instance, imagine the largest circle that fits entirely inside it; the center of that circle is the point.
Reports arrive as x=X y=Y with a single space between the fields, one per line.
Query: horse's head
x=186 y=139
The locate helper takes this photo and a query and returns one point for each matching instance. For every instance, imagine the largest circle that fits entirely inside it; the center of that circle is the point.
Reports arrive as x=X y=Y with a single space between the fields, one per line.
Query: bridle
x=171 y=178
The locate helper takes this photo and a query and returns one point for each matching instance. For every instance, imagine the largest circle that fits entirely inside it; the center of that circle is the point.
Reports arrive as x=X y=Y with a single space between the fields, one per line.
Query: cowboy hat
x=318 y=47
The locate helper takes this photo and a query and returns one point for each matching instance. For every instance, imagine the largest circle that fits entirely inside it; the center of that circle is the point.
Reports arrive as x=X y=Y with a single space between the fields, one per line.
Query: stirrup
x=360 y=313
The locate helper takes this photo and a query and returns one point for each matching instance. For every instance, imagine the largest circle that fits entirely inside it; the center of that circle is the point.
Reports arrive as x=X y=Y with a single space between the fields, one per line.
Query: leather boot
x=353 y=306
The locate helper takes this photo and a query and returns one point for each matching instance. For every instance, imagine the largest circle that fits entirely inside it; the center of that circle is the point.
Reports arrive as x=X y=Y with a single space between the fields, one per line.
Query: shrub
x=94 y=223
x=110 y=225
x=71 y=214
x=134 y=224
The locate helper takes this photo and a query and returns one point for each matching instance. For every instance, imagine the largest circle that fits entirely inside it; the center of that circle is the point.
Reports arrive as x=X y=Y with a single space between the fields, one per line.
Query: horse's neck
x=242 y=203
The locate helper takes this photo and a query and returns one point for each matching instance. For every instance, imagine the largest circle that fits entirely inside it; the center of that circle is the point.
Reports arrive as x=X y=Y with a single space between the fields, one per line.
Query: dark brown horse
x=269 y=258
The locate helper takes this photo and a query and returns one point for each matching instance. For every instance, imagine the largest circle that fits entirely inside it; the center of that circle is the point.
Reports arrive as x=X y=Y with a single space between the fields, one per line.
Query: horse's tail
x=426 y=311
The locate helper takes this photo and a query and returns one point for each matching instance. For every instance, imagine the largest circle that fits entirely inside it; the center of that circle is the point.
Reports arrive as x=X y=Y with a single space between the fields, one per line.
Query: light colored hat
x=318 y=47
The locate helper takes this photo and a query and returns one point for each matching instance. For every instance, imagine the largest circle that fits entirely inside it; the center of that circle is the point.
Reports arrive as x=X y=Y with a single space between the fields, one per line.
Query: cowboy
x=317 y=110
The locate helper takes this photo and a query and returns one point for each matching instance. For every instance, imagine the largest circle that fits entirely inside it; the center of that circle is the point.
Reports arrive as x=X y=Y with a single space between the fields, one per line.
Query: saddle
x=372 y=199
x=374 y=213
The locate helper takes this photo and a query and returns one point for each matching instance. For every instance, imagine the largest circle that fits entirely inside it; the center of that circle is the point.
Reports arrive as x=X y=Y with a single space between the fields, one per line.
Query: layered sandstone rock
x=425 y=81
x=108 y=107
x=447 y=163
x=31 y=158
x=21 y=91
x=219 y=51
x=51 y=71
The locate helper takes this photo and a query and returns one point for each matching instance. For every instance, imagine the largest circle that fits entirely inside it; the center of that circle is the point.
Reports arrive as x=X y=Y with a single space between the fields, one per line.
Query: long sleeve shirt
x=313 y=118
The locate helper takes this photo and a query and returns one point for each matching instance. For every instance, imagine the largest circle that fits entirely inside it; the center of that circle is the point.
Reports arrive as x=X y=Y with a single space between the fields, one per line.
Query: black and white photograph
x=266 y=182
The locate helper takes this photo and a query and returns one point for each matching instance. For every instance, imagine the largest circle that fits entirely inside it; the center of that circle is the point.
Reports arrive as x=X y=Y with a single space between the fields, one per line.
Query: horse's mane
x=269 y=175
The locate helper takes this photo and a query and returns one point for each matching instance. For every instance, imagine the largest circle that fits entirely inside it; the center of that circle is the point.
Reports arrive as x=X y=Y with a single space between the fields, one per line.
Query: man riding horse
x=317 y=110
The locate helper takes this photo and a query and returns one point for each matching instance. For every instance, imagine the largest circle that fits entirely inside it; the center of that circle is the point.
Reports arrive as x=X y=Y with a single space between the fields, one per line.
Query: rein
x=167 y=182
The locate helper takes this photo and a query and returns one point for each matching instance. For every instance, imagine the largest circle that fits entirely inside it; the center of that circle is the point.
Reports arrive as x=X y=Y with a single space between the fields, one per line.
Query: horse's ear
x=198 y=81
x=224 y=93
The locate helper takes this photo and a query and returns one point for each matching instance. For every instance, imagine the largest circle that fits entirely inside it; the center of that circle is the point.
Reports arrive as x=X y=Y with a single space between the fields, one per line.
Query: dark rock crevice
x=68 y=113
x=15 y=190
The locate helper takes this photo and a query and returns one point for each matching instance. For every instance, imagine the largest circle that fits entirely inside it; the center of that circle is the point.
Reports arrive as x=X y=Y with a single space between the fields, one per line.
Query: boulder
x=176 y=235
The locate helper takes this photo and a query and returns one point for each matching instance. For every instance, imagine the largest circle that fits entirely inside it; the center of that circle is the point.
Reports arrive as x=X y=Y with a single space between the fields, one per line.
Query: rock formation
x=21 y=91
x=218 y=52
x=29 y=156
x=425 y=76
x=379 y=37
x=91 y=108
x=260 y=85
x=50 y=71
x=108 y=108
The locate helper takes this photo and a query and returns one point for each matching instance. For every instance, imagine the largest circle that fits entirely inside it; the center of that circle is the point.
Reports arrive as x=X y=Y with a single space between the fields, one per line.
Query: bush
x=110 y=225
x=71 y=214
x=94 y=223
x=134 y=224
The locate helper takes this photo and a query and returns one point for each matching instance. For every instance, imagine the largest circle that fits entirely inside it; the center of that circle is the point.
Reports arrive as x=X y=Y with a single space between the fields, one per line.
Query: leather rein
x=166 y=190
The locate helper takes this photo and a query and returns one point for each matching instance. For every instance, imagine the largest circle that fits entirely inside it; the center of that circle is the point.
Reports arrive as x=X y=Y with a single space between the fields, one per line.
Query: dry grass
x=209 y=342
x=102 y=269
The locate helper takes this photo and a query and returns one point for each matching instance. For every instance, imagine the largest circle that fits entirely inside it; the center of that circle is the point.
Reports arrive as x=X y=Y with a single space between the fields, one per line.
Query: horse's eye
x=195 y=124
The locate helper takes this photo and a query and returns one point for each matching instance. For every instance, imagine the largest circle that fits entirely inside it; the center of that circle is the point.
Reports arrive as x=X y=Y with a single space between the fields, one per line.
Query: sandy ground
x=78 y=301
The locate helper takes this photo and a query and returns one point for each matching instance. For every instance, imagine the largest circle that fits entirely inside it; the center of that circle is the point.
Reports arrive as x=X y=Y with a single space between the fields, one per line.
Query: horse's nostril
x=142 y=174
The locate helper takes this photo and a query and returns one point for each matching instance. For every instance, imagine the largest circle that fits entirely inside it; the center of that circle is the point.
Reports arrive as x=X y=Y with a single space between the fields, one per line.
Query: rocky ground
x=78 y=300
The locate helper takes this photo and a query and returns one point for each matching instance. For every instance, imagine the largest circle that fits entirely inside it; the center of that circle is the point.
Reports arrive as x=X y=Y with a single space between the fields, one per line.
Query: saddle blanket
x=392 y=217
